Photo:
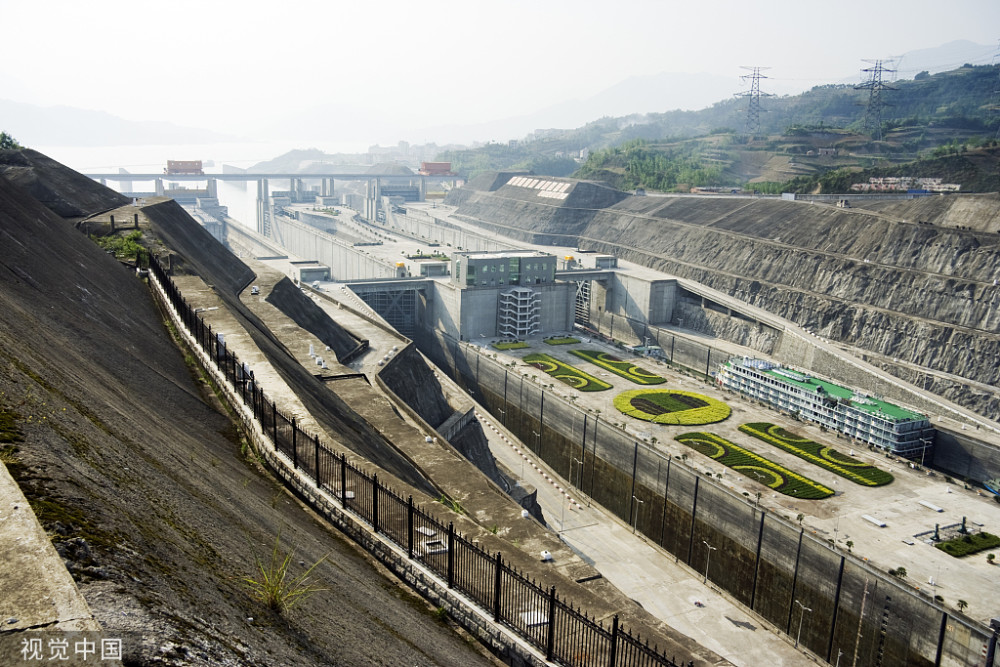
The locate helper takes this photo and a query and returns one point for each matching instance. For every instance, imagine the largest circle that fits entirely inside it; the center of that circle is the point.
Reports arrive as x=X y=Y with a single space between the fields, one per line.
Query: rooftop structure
x=871 y=420
x=497 y=269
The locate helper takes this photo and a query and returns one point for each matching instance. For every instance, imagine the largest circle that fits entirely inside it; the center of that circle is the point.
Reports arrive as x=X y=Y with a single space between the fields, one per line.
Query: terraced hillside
x=911 y=283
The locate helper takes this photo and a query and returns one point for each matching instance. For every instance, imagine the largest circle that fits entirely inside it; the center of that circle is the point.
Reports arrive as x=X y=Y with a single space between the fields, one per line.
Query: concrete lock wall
x=764 y=561
x=345 y=262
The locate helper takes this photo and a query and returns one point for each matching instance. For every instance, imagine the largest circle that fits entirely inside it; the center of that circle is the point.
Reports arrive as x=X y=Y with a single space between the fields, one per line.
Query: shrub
x=570 y=375
x=818 y=454
x=969 y=544
x=755 y=466
x=671 y=406
x=510 y=345
x=564 y=340
x=625 y=369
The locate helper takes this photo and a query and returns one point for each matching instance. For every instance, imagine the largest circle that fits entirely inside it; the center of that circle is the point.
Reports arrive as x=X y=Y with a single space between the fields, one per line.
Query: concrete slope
x=197 y=253
x=139 y=480
x=59 y=188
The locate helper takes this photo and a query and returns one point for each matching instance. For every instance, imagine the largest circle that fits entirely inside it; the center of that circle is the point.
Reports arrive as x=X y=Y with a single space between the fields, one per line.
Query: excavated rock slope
x=913 y=281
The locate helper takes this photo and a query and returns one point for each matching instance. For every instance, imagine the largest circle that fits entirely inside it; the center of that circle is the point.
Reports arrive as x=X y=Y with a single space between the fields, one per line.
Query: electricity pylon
x=875 y=85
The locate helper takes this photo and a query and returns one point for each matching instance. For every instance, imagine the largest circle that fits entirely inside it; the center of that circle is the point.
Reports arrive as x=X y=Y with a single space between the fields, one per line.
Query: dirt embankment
x=139 y=476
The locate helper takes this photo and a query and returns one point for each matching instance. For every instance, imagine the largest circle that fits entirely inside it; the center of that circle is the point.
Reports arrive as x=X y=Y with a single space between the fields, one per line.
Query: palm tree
x=961 y=604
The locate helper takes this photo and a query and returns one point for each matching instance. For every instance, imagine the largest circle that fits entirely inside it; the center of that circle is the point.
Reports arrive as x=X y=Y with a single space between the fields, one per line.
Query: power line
x=752 y=126
x=875 y=86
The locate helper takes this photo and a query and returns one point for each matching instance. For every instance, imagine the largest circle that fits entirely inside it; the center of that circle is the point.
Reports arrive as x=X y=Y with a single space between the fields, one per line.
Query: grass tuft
x=272 y=583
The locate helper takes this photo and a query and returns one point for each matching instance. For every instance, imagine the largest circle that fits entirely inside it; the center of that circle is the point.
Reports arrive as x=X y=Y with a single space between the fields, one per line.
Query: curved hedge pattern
x=620 y=367
x=676 y=407
x=825 y=457
x=747 y=463
x=570 y=375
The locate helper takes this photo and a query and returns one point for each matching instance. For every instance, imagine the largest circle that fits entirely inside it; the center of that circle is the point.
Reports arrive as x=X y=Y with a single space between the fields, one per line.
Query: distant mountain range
x=666 y=91
x=69 y=126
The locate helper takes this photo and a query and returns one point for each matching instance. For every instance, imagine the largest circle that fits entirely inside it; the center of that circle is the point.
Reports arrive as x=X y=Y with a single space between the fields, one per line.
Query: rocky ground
x=144 y=484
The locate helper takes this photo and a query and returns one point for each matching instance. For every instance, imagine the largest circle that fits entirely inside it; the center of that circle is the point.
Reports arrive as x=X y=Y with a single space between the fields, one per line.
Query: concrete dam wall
x=909 y=282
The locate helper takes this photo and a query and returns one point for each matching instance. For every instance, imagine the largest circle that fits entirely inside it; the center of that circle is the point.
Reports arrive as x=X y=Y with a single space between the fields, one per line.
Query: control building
x=510 y=294
x=870 y=420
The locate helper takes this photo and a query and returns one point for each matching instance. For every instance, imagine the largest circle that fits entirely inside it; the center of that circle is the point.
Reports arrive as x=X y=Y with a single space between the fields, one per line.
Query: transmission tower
x=875 y=86
x=752 y=127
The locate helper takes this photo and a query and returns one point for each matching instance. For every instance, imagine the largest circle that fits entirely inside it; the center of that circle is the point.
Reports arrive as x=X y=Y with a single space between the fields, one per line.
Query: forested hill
x=680 y=149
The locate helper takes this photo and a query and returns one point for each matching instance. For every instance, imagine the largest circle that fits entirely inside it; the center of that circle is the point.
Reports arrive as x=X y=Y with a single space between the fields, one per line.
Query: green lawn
x=510 y=345
x=847 y=467
x=755 y=466
x=620 y=367
x=570 y=375
x=564 y=340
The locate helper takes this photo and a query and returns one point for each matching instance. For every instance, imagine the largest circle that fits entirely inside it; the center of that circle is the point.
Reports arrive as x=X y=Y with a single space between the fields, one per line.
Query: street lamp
x=708 y=559
x=635 y=520
x=802 y=615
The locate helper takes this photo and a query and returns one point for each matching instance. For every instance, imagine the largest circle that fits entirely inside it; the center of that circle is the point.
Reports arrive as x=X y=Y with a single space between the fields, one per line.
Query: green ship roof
x=867 y=404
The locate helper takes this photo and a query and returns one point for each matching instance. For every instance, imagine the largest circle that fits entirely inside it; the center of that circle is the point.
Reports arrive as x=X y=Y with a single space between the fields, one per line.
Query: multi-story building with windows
x=511 y=294
x=870 y=420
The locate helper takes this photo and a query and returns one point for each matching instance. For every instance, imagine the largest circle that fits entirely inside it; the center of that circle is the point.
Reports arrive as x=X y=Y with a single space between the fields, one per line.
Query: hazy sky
x=237 y=65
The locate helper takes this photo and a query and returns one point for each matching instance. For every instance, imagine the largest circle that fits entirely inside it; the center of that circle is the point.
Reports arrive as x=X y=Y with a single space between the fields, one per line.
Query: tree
x=8 y=142
x=850 y=545
x=961 y=604
x=990 y=558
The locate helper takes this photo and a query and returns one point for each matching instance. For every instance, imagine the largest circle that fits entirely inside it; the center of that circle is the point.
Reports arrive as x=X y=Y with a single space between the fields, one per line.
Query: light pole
x=503 y=417
x=635 y=519
x=802 y=615
x=579 y=480
x=708 y=559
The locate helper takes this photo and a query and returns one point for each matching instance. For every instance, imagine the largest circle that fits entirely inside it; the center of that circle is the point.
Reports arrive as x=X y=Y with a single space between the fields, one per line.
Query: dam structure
x=766 y=562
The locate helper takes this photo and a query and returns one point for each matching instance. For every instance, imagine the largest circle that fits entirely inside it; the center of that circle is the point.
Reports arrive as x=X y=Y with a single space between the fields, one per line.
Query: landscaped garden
x=561 y=340
x=510 y=345
x=969 y=544
x=671 y=406
x=755 y=466
x=625 y=369
x=571 y=375
x=818 y=454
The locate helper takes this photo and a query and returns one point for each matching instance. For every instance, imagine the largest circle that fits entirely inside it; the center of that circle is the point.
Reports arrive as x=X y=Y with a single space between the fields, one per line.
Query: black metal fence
x=564 y=633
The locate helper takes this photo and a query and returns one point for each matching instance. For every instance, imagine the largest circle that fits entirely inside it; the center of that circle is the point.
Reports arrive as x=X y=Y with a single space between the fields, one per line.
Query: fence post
x=613 y=653
x=316 y=452
x=498 y=564
x=295 y=447
x=375 y=502
x=343 y=480
x=451 y=554
x=409 y=527
x=550 y=643
x=274 y=419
